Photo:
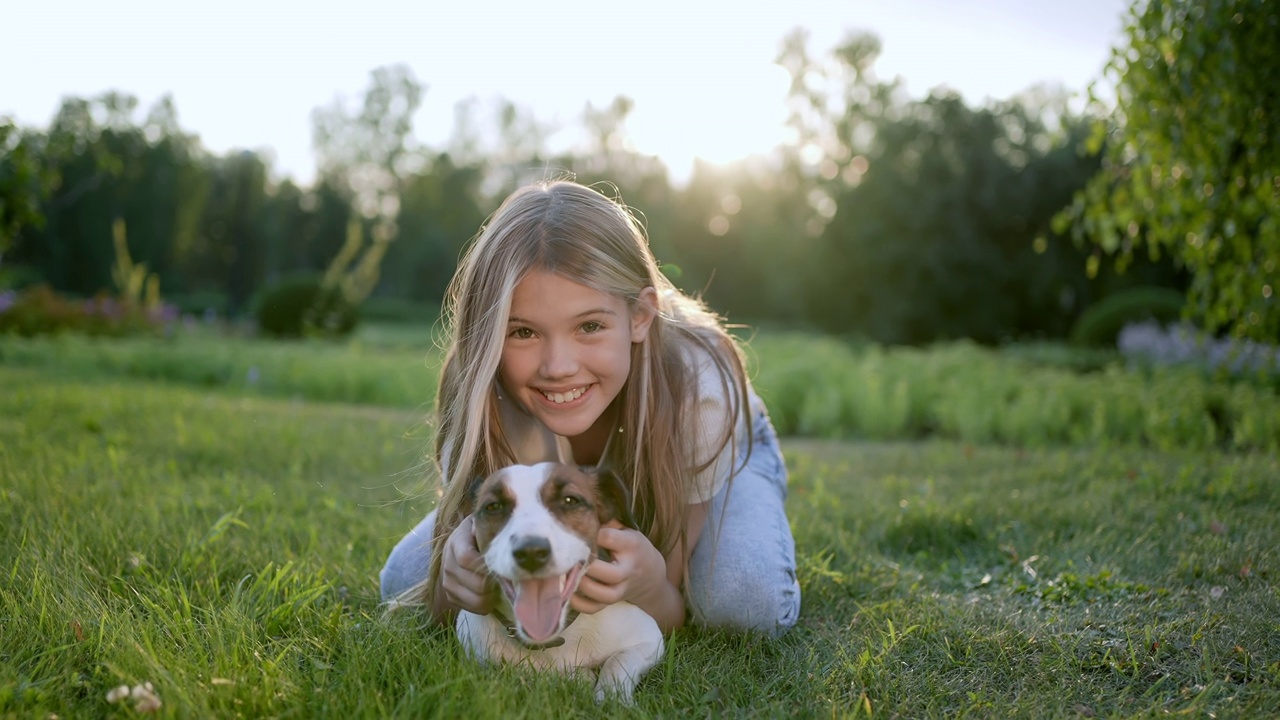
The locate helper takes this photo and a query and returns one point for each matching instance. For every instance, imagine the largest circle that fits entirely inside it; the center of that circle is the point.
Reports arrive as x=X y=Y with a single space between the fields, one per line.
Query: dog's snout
x=532 y=553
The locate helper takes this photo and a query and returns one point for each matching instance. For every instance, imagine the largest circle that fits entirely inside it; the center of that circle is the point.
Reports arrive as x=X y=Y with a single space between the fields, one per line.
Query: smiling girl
x=567 y=344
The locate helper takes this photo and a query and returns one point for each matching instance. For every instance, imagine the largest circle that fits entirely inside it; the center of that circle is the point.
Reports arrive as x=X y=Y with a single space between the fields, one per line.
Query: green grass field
x=165 y=520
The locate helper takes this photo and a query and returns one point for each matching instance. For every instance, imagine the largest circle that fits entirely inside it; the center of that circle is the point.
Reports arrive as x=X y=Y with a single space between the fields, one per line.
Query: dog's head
x=536 y=526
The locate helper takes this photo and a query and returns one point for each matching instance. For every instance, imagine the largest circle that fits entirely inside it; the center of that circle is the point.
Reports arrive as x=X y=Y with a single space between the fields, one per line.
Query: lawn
x=219 y=536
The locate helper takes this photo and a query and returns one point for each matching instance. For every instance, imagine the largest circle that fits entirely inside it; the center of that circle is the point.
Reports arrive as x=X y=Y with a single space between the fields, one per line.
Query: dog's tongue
x=538 y=606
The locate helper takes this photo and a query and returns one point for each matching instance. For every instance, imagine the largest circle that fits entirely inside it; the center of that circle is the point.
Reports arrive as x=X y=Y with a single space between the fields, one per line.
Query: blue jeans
x=742 y=574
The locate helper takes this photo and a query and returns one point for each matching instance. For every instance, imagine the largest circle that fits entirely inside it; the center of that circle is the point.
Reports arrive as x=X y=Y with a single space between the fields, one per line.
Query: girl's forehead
x=548 y=295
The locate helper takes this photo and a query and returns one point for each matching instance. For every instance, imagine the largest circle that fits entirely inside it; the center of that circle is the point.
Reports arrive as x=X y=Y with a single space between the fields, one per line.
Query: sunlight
x=744 y=114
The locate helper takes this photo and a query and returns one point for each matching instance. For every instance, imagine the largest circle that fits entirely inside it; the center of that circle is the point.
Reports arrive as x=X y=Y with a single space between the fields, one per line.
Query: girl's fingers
x=594 y=593
x=468 y=591
x=616 y=539
x=585 y=605
x=606 y=573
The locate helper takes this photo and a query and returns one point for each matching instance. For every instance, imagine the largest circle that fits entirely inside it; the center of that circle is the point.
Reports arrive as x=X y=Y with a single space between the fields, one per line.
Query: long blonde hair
x=580 y=234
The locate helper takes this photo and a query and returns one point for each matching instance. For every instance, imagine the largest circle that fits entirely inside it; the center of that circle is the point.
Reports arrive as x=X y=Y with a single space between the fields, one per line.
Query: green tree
x=440 y=210
x=928 y=219
x=101 y=166
x=368 y=152
x=1192 y=164
x=229 y=254
x=23 y=185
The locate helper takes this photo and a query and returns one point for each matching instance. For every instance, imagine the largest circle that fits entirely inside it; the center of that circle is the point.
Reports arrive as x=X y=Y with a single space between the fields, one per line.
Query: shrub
x=301 y=305
x=41 y=311
x=19 y=277
x=1100 y=324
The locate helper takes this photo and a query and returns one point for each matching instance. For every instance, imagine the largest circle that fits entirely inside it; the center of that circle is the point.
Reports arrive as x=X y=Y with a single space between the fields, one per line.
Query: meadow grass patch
x=225 y=546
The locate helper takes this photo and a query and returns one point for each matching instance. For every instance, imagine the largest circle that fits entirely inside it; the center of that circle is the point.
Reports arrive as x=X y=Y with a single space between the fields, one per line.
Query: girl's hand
x=464 y=577
x=636 y=572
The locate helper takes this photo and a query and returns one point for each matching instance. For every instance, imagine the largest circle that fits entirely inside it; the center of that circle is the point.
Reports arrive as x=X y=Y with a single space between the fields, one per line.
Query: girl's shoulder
x=712 y=361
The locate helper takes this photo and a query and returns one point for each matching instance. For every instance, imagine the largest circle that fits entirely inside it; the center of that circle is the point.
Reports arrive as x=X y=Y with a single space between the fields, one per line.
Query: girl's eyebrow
x=585 y=313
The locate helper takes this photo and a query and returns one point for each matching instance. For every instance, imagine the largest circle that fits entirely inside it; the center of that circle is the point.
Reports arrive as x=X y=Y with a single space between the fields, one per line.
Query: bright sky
x=248 y=73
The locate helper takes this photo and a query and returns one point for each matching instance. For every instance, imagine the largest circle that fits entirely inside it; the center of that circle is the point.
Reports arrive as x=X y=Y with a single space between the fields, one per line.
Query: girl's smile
x=567 y=354
x=566 y=398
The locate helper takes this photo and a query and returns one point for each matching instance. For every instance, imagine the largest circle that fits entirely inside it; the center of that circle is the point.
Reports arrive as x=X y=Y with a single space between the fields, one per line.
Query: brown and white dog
x=536 y=527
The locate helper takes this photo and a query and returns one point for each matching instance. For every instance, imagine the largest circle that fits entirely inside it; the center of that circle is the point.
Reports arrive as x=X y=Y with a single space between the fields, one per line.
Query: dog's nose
x=532 y=553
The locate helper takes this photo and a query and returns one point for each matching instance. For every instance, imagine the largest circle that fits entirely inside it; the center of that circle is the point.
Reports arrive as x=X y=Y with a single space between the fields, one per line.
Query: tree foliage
x=1192 y=163
x=904 y=220
x=930 y=218
x=22 y=184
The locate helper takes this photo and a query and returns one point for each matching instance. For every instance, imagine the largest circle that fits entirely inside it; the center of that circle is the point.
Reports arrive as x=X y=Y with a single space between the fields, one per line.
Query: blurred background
x=900 y=172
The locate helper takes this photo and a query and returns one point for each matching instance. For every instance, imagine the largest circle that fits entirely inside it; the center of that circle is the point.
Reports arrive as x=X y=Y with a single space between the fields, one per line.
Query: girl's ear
x=643 y=312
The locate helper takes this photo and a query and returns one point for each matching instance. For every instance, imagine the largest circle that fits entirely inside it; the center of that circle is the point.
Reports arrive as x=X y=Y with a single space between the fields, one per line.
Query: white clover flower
x=148 y=701
x=118 y=694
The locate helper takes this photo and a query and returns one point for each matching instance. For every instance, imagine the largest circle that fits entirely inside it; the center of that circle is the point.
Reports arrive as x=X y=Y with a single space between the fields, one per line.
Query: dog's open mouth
x=539 y=603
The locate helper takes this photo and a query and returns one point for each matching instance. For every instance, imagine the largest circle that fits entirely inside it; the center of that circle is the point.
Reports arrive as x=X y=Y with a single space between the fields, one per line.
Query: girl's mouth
x=561 y=398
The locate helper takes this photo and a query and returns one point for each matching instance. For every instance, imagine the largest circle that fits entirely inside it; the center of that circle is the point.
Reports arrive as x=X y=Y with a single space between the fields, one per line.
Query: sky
x=247 y=74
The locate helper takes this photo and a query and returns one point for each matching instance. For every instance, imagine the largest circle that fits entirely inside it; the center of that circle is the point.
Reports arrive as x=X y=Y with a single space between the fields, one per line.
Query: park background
x=1022 y=348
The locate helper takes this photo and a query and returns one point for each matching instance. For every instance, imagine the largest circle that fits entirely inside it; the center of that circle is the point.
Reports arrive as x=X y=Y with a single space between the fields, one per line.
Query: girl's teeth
x=560 y=398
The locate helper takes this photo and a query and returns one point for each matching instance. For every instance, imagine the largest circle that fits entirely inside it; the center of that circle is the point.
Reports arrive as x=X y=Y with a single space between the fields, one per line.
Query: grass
x=224 y=546
x=1026 y=395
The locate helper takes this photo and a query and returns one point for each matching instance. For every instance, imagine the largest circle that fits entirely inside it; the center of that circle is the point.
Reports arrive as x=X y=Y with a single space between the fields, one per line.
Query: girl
x=568 y=344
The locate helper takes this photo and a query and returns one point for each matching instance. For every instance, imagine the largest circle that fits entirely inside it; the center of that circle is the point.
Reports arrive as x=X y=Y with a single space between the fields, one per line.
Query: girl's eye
x=521 y=333
x=591 y=326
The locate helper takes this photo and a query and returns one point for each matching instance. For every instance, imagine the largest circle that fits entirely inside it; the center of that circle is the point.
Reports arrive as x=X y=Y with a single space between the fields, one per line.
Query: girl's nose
x=559 y=360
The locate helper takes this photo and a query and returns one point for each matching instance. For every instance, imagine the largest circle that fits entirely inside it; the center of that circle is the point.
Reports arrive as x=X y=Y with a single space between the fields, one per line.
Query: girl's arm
x=640 y=574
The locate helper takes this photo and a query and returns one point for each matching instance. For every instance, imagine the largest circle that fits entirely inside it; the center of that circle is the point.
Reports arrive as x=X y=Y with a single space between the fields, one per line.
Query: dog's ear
x=473 y=491
x=615 y=499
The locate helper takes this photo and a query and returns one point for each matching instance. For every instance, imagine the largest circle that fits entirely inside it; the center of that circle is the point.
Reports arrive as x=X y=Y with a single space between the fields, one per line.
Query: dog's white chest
x=621 y=641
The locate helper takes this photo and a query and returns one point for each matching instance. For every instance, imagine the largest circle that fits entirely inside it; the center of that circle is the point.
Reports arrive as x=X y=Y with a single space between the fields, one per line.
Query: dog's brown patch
x=572 y=498
x=494 y=503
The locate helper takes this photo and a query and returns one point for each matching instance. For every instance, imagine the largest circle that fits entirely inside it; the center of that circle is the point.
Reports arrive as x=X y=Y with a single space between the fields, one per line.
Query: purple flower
x=1182 y=344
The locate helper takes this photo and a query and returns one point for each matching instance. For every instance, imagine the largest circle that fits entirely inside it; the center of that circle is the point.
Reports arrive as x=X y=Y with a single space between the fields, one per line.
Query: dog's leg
x=623 y=670
x=483 y=638
x=641 y=647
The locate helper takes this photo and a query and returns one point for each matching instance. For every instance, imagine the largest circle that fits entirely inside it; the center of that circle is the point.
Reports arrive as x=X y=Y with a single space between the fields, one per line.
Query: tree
x=369 y=152
x=440 y=210
x=22 y=184
x=930 y=220
x=229 y=253
x=1192 y=163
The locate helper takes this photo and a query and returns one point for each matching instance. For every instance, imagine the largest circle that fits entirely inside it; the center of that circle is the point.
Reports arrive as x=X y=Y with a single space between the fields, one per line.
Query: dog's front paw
x=621 y=689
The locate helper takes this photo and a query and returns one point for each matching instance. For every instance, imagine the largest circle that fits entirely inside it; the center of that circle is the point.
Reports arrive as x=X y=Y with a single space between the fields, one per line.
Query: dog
x=536 y=527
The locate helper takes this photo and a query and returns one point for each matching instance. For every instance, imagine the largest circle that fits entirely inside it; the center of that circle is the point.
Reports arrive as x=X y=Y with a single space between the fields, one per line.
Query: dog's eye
x=570 y=501
x=494 y=508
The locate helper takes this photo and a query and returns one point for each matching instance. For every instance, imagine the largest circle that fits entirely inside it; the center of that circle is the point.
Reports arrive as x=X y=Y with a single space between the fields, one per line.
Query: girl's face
x=567 y=352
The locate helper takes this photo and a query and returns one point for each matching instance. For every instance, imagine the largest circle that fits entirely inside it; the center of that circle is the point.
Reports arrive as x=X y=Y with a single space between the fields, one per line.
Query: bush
x=41 y=311
x=19 y=277
x=1101 y=323
x=300 y=306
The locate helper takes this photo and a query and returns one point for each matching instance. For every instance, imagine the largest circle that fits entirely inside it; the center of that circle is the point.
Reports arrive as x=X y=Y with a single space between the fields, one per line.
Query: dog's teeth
x=562 y=577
